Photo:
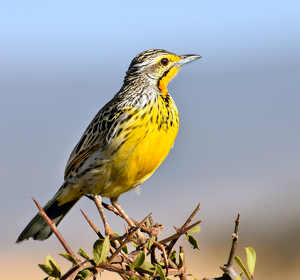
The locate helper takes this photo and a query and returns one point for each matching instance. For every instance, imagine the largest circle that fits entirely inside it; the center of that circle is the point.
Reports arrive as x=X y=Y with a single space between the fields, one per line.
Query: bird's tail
x=38 y=228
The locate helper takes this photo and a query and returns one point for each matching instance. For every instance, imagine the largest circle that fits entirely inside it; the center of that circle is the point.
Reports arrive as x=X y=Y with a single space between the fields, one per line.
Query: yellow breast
x=145 y=142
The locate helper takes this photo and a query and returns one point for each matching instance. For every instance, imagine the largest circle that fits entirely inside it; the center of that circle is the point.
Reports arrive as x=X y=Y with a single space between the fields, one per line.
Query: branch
x=229 y=271
x=129 y=236
x=92 y=225
x=183 y=275
x=173 y=238
x=180 y=232
x=71 y=274
x=56 y=232
x=143 y=228
x=118 y=262
x=234 y=242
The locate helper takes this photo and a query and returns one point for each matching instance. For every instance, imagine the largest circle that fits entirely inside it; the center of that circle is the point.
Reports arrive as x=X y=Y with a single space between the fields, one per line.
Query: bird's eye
x=164 y=61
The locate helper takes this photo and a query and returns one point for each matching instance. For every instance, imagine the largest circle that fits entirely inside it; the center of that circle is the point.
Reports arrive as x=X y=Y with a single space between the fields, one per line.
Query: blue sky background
x=238 y=145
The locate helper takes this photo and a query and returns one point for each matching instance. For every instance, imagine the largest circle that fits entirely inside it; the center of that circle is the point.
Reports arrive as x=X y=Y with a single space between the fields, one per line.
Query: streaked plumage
x=126 y=141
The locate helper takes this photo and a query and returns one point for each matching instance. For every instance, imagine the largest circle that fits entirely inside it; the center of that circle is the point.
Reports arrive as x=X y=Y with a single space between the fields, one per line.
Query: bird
x=124 y=144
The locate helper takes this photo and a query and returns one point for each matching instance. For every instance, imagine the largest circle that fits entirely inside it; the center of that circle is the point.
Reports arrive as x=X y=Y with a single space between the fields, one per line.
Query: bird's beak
x=187 y=59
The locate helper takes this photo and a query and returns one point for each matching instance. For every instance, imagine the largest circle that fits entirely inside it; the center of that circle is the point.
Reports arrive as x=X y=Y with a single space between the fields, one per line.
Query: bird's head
x=157 y=66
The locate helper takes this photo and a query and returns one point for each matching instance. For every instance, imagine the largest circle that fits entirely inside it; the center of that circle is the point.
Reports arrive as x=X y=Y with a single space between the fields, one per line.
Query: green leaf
x=69 y=258
x=125 y=249
x=160 y=272
x=83 y=254
x=195 y=229
x=240 y=263
x=50 y=267
x=191 y=239
x=172 y=256
x=161 y=263
x=47 y=278
x=146 y=267
x=181 y=257
x=84 y=274
x=48 y=259
x=47 y=269
x=149 y=243
x=251 y=259
x=147 y=224
x=56 y=269
x=138 y=261
x=100 y=250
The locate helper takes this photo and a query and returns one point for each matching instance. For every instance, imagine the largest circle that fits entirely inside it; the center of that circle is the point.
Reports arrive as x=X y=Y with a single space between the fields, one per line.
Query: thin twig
x=92 y=225
x=120 y=265
x=162 y=248
x=115 y=211
x=180 y=232
x=234 y=242
x=55 y=231
x=129 y=236
x=183 y=275
x=190 y=218
x=112 y=250
x=151 y=221
x=228 y=269
x=111 y=208
x=91 y=265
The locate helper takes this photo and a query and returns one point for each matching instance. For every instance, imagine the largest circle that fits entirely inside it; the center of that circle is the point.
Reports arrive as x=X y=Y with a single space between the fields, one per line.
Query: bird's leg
x=98 y=202
x=115 y=203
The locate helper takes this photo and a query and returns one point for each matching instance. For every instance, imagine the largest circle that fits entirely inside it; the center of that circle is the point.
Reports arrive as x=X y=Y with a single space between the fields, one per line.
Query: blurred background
x=238 y=147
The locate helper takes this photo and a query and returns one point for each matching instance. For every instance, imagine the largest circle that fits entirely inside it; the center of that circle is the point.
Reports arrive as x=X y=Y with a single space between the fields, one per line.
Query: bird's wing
x=98 y=134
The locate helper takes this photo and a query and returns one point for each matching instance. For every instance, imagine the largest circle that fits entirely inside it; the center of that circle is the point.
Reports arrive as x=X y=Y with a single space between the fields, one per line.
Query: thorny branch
x=234 y=242
x=128 y=238
x=56 y=232
x=119 y=262
x=228 y=269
